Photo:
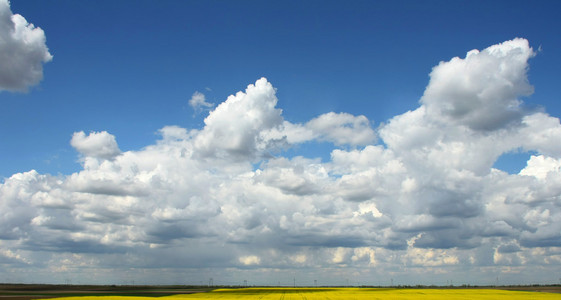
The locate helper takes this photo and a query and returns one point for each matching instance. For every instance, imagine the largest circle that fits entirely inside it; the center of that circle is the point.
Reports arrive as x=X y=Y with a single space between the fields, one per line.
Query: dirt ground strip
x=541 y=288
x=34 y=291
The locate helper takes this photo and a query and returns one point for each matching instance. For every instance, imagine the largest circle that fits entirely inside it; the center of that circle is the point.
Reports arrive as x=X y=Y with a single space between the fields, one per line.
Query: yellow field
x=340 y=293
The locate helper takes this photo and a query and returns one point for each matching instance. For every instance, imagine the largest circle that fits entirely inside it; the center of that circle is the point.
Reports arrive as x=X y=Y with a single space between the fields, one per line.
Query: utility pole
x=315 y=283
x=294 y=281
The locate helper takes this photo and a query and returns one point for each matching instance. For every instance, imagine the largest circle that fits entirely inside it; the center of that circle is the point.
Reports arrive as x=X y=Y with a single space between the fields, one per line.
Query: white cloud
x=13 y=256
x=342 y=128
x=340 y=255
x=369 y=208
x=364 y=254
x=428 y=197
x=540 y=166
x=250 y=260
x=481 y=91
x=96 y=144
x=232 y=130
x=540 y=132
x=299 y=176
x=430 y=257
x=337 y=128
x=198 y=101
x=22 y=51
x=173 y=133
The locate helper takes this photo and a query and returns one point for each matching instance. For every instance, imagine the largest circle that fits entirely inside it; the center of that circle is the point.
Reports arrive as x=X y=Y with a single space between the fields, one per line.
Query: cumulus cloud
x=342 y=128
x=337 y=128
x=540 y=166
x=232 y=130
x=226 y=196
x=96 y=144
x=482 y=90
x=22 y=51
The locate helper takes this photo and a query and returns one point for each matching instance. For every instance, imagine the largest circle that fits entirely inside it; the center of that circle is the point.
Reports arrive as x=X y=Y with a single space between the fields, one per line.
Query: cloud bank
x=22 y=51
x=418 y=195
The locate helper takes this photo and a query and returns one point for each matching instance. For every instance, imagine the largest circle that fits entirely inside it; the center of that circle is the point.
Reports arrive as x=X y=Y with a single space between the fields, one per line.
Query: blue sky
x=129 y=67
x=378 y=144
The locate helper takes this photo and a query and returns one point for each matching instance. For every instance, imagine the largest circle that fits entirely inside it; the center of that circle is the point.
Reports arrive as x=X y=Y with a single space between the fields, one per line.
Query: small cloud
x=250 y=260
x=198 y=101
x=96 y=144
x=340 y=255
x=299 y=258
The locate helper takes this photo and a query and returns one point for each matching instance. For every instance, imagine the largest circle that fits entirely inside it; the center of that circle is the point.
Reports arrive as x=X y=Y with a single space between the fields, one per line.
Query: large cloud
x=233 y=129
x=482 y=90
x=22 y=51
x=223 y=196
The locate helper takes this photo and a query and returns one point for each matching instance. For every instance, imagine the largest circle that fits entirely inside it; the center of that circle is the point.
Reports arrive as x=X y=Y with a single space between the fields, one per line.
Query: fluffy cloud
x=342 y=129
x=481 y=91
x=541 y=166
x=337 y=128
x=96 y=144
x=22 y=51
x=224 y=196
x=232 y=130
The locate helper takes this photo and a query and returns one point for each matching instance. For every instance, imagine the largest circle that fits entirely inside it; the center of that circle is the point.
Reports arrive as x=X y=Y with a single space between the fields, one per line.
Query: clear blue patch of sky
x=514 y=161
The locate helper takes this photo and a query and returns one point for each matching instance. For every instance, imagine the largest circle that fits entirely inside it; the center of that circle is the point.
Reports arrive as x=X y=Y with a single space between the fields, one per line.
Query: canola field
x=340 y=293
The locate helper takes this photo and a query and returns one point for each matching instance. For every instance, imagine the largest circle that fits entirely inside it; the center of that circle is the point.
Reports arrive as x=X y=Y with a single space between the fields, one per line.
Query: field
x=302 y=293
x=365 y=293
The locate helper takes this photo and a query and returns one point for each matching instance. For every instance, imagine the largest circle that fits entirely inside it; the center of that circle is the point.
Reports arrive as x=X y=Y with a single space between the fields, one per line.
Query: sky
x=273 y=142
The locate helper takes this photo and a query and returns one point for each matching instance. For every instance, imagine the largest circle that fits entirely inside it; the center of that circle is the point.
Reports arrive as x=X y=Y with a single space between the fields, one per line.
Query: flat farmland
x=306 y=293
x=366 y=293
